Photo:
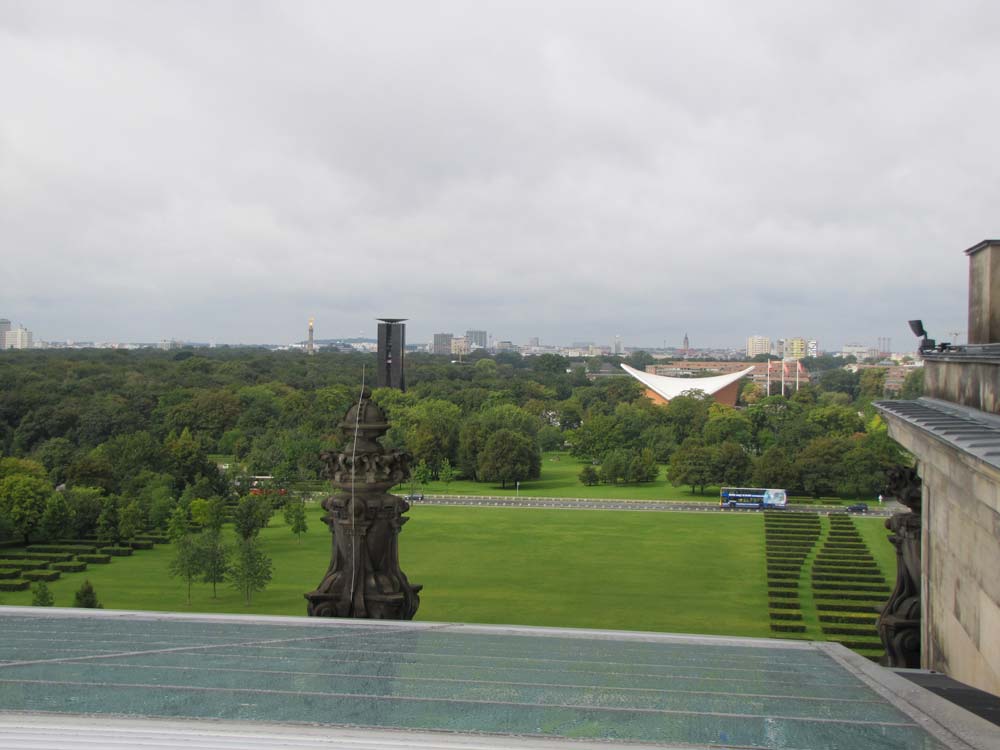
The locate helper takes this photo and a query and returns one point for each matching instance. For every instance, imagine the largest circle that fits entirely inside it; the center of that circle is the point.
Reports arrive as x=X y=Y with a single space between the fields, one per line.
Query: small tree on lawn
x=588 y=475
x=447 y=472
x=295 y=517
x=251 y=515
x=250 y=570
x=213 y=558
x=41 y=596
x=129 y=520
x=86 y=597
x=185 y=564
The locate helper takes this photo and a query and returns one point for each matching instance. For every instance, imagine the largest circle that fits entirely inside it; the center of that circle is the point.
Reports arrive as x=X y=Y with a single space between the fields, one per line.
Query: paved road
x=587 y=504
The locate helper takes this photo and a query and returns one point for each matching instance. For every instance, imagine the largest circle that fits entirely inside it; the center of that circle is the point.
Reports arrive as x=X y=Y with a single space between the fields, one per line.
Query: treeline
x=148 y=428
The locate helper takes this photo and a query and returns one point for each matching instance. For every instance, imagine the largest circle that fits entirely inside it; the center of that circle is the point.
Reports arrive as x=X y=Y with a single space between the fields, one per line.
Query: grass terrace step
x=139 y=544
x=794 y=584
x=778 y=593
x=783 y=615
x=116 y=551
x=783 y=604
x=852 y=596
x=851 y=586
x=843 y=576
x=852 y=607
x=858 y=632
x=782 y=627
x=154 y=538
x=780 y=575
x=15 y=584
x=8 y=573
x=856 y=645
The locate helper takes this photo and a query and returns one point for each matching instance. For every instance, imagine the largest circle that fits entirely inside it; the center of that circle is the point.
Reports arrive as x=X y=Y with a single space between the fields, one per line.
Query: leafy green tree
x=447 y=472
x=186 y=562
x=22 y=501
x=550 y=438
x=643 y=467
x=913 y=384
x=693 y=464
x=614 y=467
x=687 y=414
x=596 y=437
x=509 y=457
x=842 y=381
x=732 y=464
x=295 y=517
x=200 y=511
x=85 y=504
x=871 y=383
x=725 y=423
x=11 y=466
x=774 y=468
x=820 y=465
x=212 y=556
x=130 y=521
x=250 y=570
x=41 y=596
x=57 y=519
x=250 y=515
x=640 y=359
x=177 y=525
x=835 y=420
x=108 y=529
x=86 y=597
x=589 y=476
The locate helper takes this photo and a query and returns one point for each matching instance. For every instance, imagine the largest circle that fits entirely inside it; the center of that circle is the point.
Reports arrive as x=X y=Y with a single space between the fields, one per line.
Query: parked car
x=414 y=496
x=858 y=508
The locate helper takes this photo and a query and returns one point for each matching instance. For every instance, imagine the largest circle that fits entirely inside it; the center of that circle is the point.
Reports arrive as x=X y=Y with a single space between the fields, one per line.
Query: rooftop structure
x=100 y=678
x=661 y=389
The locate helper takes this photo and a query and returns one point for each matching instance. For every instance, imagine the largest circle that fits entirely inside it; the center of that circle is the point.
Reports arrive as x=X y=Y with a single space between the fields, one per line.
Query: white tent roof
x=670 y=388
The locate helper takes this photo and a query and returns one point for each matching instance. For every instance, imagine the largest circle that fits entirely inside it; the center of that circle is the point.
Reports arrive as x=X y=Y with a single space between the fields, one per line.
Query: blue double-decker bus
x=752 y=497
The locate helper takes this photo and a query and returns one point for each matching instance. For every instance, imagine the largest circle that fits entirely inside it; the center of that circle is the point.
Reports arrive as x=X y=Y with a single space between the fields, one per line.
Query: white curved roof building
x=660 y=388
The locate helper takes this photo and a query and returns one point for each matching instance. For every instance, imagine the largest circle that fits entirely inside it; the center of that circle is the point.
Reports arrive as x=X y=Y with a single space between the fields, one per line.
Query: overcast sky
x=222 y=171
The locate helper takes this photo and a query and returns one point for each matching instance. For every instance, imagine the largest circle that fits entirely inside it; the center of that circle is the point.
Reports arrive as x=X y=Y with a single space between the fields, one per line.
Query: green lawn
x=677 y=572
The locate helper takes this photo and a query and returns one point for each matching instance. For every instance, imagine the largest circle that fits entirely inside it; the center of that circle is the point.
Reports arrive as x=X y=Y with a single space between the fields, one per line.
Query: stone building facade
x=954 y=432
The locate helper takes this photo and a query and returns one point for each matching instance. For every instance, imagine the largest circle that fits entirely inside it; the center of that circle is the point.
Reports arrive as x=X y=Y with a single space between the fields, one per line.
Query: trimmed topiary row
x=94 y=559
x=70 y=567
x=116 y=551
x=8 y=573
x=782 y=627
x=41 y=575
x=22 y=564
x=73 y=549
x=784 y=615
x=16 y=584
x=140 y=544
x=858 y=619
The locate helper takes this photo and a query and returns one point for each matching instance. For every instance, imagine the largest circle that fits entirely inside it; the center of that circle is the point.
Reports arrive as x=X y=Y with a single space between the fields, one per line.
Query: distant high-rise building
x=442 y=343
x=18 y=338
x=812 y=348
x=795 y=348
x=391 y=345
x=4 y=330
x=460 y=345
x=477 y=339
x=618 y=345
x=534 y=341
x=758 y=345
x=309 y=345
x=687 y=344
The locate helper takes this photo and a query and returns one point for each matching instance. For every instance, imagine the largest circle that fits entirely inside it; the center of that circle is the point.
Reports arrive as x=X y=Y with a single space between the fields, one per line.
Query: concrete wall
x=972 y=384
x=961 y=560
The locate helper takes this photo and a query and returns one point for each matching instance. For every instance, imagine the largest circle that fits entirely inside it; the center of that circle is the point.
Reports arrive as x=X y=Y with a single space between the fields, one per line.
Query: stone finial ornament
x=364 y=579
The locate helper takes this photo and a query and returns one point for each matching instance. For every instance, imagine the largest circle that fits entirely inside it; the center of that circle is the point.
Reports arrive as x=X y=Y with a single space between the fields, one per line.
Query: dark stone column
x=364 y=579
x=899 y=622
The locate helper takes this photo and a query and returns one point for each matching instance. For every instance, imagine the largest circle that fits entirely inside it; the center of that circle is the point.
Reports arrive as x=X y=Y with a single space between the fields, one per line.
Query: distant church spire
x=687 y=344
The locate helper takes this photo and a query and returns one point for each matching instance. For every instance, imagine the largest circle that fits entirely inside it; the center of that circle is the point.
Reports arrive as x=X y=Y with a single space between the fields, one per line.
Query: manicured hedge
x=786 y=615
x=783 y=605
x=8 y=573
x=154 y=538
x=49 y=556
x=41 y=575
x=857 y=577
x=851 y=586
x=823 y=607
x=73 y=549
x=783 y=584
x=116 y=551
x=140 y=544
x=780 y=627
x=852 y=596
x=776 y=568
x=22 y=564
x=94 y=559
x=16 y=584
x=779 y=575
x=70 y=567
x=855 y=645
x=849 y=618
x=784 y=594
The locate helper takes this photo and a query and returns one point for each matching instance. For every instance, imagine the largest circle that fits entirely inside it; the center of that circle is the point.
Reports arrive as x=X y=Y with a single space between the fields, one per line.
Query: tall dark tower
x=391 y=345
x=687 y=344
x=309 y=346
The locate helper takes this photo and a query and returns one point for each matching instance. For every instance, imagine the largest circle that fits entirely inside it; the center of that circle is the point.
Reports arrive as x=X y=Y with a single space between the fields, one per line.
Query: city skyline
x=642 y=170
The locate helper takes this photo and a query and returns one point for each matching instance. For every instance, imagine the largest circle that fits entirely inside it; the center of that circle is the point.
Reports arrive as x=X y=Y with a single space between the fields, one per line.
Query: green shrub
x=73 y=549
x=786 y=615
x=16 y=584
x=780 y=627
x=140 y=544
